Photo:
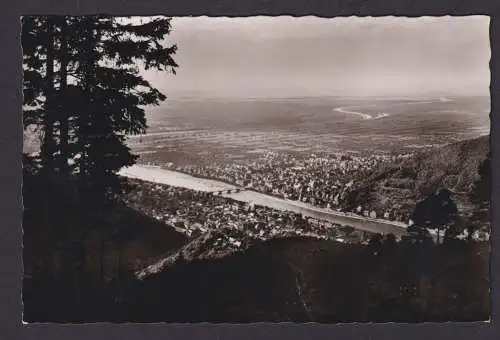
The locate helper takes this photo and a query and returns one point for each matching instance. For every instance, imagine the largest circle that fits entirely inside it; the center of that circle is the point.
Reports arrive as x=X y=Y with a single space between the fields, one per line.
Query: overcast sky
x=285 y=56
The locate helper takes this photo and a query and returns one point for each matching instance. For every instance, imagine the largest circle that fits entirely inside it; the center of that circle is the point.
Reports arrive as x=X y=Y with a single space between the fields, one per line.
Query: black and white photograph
x=256 y=169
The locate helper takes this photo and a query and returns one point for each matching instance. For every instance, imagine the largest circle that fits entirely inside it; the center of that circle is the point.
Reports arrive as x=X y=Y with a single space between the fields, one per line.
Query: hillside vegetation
x=302 y=280
x=58 y=232
x=401 y=185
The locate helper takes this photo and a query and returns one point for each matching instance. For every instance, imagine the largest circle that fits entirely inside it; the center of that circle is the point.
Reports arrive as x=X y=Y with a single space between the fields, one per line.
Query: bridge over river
x=178 y=179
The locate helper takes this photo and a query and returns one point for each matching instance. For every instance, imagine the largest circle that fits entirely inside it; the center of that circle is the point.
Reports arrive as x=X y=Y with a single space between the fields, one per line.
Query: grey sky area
x=285 y=56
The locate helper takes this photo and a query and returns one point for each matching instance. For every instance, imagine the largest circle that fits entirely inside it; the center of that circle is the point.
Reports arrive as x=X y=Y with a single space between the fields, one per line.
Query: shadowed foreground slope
x=304 y=280
x=74 y=258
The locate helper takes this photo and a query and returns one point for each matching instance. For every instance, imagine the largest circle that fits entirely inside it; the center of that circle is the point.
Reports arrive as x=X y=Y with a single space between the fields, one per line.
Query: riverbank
x=178 y=179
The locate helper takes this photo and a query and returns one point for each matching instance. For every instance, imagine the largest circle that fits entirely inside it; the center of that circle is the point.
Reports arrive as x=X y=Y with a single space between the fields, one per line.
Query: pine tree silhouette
x=481 y=197
x=436 y=212
x=84 y=92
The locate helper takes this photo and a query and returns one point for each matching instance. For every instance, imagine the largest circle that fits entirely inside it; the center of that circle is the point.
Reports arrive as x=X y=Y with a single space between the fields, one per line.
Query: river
x=178 y=179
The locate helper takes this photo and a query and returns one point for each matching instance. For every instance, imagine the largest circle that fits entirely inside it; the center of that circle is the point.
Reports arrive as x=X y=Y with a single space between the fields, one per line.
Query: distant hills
x=400 y=185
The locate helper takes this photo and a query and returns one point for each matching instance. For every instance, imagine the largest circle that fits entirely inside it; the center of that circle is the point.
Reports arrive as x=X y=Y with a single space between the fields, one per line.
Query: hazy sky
x=285 y=56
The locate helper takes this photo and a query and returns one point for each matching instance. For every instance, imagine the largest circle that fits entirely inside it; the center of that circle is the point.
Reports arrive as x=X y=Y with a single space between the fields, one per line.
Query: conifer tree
x=33 y=64
x=438 y=212
x=38 y=65
x=83 y=90
x=63 y=112
x=481 y=197
x=115 y=93
x=100 y=96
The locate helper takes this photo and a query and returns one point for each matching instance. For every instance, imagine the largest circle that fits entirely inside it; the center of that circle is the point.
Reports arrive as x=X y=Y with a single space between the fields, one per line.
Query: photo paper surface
x=257 y=169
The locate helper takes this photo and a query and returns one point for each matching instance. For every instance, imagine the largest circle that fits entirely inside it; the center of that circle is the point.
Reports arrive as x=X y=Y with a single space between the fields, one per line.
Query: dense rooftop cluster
x=217 y=225
x=323 y=181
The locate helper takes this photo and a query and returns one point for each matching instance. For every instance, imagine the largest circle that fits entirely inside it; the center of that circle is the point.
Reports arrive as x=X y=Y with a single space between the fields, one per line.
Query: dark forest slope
x=298 y=279
x=57 y=229
x=400 y=185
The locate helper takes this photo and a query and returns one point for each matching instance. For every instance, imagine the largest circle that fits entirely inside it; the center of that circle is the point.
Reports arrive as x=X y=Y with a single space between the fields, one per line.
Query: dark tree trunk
x=102 y=256
x=120 y=250
x=84 y=116
x=63 y=114
x=47 y=148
